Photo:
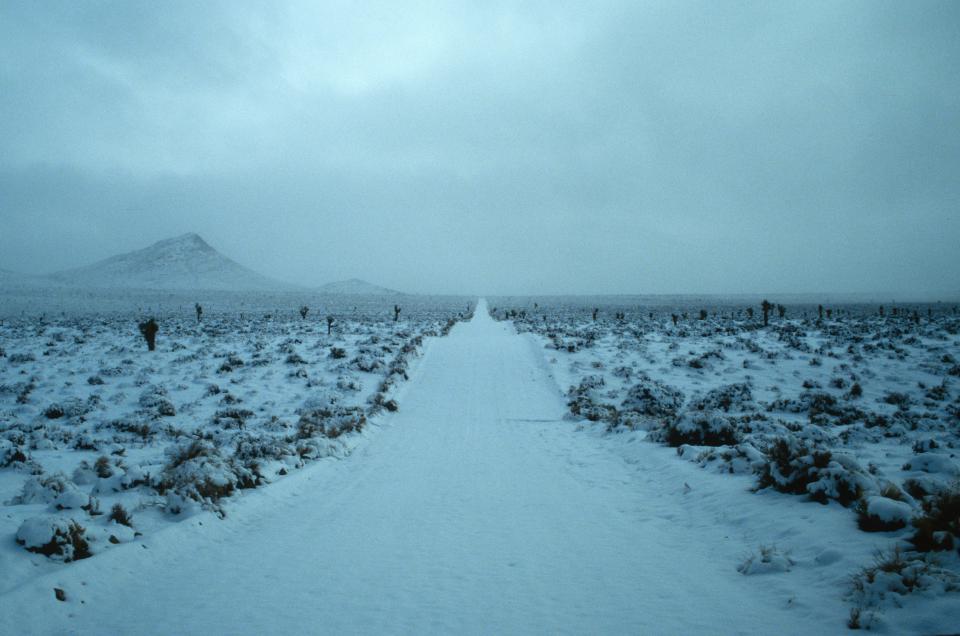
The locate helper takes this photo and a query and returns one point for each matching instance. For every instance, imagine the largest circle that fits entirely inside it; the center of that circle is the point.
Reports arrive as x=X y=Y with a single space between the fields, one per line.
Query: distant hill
x=357 y=287
x=180 y=263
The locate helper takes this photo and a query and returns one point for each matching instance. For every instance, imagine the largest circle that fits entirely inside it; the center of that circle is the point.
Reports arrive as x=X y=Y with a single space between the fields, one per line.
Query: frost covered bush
x=196 y=471
x=349 y=383
x=232 y=417
x=822 y=408
x=698 y=429
x=939 y=527
x=934 y=463
x=767 y=559
x=232 y=362
x=56 y=489
x=794 y=468
x=154 y=402
x=732 y=397
x=584 y=401
x=330 y=421
x=367 y=363
x=55 y=537
x=882 y=514
x=119 y=514
x=11 y=454
x=893 y=575
x=653 y=399
x=70 y=408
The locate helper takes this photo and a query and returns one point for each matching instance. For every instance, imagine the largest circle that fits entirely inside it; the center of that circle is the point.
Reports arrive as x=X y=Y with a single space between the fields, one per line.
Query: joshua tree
x=674 y=317
x=149 y=330
x=881 y=311
x=595 y=311
x=304 y=311
x=703 y=314
x=820 y=312
x=396 y=313
x=199 y=311
x=766 y=306
x=829 y=313
x=781 y=311
x=330 y=321
x=750 y=313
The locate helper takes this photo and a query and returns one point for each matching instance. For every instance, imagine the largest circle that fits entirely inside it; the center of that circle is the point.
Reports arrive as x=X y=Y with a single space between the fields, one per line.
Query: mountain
x=357 y=287
x=183 y=262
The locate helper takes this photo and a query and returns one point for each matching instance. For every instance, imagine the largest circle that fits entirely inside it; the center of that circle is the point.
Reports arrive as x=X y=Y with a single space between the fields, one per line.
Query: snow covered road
x=474 y=509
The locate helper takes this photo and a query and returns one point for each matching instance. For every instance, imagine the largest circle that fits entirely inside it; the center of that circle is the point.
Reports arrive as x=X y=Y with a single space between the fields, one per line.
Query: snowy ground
x=483 y=505
x=103 y=442
x=856 y=407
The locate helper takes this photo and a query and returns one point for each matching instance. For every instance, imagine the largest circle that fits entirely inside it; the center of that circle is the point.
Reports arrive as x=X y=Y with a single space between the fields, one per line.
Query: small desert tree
x=766 y=306
x=703 y=314
x=596 y=310
x=820 y=312
x=330 y=321
x=781 y=311
x=149 y=331
x=304 y=311
x=396 y=313
x=199 y=311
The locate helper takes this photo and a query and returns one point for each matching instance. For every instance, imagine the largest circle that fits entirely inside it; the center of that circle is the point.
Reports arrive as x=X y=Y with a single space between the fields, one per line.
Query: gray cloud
x=493 y=147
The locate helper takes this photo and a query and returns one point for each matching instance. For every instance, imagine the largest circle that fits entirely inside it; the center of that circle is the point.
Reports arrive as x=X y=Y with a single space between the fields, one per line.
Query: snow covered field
x=528 y=483
x=855 y=406
x=102 y=442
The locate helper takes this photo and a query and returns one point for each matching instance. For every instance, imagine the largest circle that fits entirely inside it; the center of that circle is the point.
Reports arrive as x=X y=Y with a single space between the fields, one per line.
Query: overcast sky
x=492 y=147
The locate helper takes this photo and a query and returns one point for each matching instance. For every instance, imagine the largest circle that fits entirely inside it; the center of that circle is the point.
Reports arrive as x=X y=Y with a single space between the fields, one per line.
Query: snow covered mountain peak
x=182 y=262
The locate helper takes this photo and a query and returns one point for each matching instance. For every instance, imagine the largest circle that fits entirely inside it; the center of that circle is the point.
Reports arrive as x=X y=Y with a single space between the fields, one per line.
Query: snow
x=482 y=506
x=182 y=262
x=889 y=510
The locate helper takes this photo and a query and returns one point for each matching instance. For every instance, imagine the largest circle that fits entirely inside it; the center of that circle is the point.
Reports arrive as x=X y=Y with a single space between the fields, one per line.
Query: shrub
x=54 y=537
x=732 y=397
x=583 y=401
x=199 y=472
x=698 y=429
x=652 y=398
x=154 y=401
x=882 y=514
x=11 y=454
x=102 y=467
x=939 y=527
x=794 y=468
x=330 y=421
x=120 y=515
x=295 y=358
x=232 y=362
x=768 y=559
